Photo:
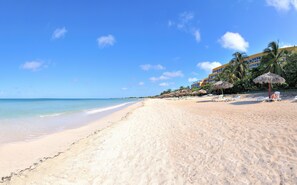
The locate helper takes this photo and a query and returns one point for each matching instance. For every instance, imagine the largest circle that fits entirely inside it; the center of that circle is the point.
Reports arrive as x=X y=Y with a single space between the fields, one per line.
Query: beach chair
x=277 y=96
x=223 y=99
x=228 y=99
x=235 y=98
x=295 y=99
x=262 y=99
x=218 y=99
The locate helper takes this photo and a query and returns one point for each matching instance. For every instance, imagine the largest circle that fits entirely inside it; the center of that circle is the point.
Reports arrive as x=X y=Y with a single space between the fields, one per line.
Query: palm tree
x=240 y=67
x=229 y=74
x=275 y=60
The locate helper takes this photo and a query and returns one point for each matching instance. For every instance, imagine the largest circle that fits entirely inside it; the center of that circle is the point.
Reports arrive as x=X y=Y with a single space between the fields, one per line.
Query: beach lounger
x=278 y=98
x=235 y=98
x=228 y=99
x=262 y=99
x=295 y=99
x=217 y=99
x=221 y=98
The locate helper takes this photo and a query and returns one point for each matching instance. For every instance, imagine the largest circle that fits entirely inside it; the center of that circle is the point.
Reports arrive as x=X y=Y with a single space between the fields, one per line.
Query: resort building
x=200 y=83
x=253 y=61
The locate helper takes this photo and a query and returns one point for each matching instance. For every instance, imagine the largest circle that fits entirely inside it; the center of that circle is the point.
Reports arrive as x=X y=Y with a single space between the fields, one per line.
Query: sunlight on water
x=27 y=119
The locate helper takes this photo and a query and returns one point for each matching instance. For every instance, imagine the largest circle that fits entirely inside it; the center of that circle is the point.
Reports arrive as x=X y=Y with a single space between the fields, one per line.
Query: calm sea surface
x=26 y=119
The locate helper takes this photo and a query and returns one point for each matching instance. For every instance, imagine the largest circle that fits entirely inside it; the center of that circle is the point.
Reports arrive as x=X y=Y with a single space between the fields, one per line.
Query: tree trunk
x=269 y=90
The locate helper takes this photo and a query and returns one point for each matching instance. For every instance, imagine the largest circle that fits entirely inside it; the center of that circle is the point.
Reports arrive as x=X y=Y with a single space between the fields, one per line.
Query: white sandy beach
x=17 y=156
x=179 y=142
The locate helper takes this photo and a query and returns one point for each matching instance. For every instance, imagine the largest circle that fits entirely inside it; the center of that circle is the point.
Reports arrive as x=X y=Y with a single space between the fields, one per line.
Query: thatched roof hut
x=202 y=91
x=269 y=78
x=222 y=85
x=195 y=93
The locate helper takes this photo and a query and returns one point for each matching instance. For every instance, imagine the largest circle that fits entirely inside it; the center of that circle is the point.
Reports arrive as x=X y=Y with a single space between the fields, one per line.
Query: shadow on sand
x=245 y=102
x=204 y=101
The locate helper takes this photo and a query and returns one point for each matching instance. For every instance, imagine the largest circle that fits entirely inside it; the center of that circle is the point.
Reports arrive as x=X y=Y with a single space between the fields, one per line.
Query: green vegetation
x=291 y=70
x=276 y=61
x=166 y=92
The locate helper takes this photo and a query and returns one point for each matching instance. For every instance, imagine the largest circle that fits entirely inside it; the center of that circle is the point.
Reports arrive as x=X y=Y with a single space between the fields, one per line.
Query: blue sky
x=87 y=49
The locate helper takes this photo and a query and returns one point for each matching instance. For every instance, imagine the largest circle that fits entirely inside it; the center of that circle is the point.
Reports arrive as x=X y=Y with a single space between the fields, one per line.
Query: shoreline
x=186 y=141
x=28 y=127
x=51 y=145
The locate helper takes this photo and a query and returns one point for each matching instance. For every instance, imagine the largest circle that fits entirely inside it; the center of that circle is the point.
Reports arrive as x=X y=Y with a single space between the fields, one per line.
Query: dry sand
x=182 y=142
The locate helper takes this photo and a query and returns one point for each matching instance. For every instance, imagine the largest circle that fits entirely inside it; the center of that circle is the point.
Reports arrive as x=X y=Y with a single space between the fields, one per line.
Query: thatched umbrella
x=222 y=85
x=269 y=78
x=195 y=93
x=202 y=91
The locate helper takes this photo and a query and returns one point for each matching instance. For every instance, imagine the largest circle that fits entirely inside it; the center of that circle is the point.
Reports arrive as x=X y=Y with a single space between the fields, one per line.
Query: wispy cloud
x=282 y=5
x=197 y=35
x=164 y=84
x=124 y=88
x=234 y=41
x=154 y=79
x=173 y=74
x=59 y=33
x=184 y=23
x=167 y=75
x=141 y=83
x=208 y=66
x=105 y=41
x=184 y=19
x=147 y=67
x=33 y=65
x=192 y=80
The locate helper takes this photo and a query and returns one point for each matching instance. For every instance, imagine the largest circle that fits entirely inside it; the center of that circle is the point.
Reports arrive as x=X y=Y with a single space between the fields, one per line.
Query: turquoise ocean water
x=26 y=119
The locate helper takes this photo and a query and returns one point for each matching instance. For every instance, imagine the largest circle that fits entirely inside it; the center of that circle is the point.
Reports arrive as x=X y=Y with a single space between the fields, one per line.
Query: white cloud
x=167 y=75
x=192 y=80
x=162 y=77
x=173 y=74
x=185 y=24
x=124 y=88
x=171 y=23
x=186 y=17
x=282 y=5
x=141 y=83
x=59 y=33
x=164 y=84
x=147 y=67
x=104 y=41
x=197 y=35
x=208 y=66
x=285 y=45
x=234 y=41
x=294 y=3
x=33 y=65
